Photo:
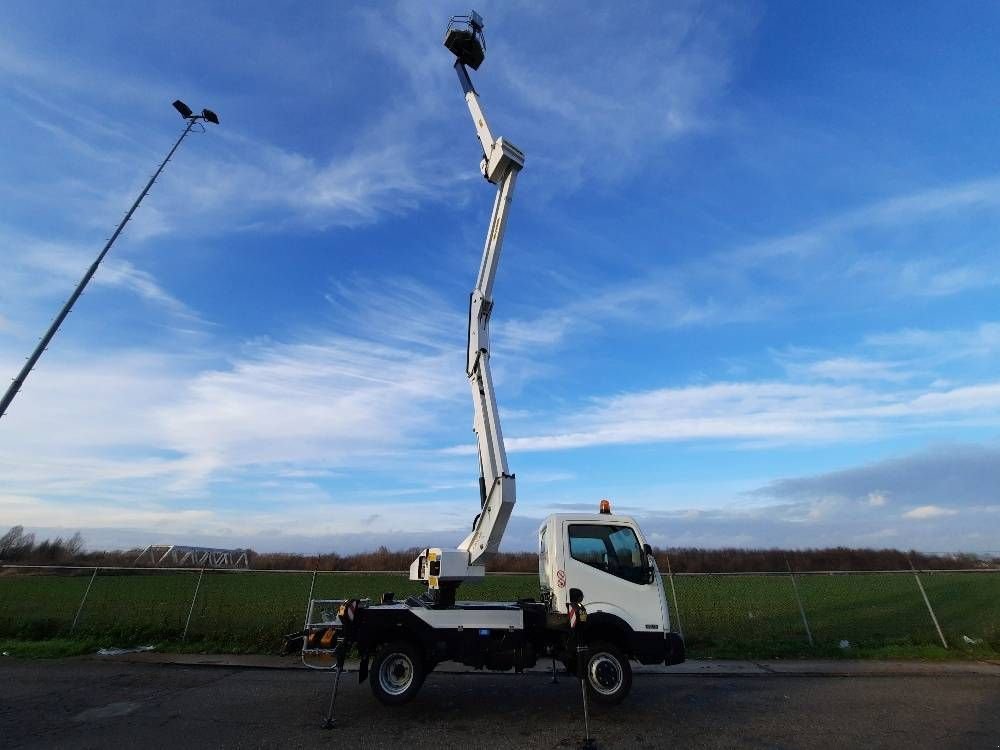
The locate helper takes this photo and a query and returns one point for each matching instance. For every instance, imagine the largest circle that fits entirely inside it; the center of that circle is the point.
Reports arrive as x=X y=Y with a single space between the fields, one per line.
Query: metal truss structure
x=179 y=556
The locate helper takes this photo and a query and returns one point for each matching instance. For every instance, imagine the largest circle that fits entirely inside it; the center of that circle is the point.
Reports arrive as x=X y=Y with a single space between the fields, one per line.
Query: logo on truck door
x=561 y=578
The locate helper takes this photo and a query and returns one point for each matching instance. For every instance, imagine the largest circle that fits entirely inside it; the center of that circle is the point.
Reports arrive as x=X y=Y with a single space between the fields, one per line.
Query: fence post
x=927 y=601
x=798 y=599
x=312 y=585
x=83 y=601
x=191 y=608
x=673 y=591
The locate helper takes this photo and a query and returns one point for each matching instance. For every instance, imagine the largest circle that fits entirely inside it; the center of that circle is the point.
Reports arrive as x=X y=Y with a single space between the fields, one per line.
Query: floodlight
x=464 y=38
x=191 y=119
x=184 y=109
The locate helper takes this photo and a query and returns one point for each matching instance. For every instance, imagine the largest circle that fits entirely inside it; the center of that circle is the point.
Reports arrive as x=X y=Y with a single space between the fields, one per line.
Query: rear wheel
x=397 y=673
x=608 y=673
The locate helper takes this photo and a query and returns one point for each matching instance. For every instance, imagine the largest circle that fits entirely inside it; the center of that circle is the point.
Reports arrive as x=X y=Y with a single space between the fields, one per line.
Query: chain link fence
x=719 y=614
x=783 y=613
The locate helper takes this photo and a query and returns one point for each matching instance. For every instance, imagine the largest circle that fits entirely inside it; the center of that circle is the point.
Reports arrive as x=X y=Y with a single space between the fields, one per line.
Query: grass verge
x=52 y=648
x=60 y=648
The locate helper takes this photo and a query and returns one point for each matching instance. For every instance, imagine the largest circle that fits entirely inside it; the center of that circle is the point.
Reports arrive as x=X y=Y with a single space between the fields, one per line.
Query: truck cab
x=606 y=559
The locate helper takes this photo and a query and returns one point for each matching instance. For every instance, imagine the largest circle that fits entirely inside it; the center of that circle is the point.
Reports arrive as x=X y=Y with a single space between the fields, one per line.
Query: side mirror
x=575 y=596
x=650 y=563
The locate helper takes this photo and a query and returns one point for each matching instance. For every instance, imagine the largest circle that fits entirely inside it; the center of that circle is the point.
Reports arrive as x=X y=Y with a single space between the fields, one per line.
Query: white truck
x=602 y=602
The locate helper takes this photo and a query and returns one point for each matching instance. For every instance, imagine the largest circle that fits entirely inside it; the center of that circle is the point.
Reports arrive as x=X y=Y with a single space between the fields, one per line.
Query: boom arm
x=443 y=570
x=500 y=165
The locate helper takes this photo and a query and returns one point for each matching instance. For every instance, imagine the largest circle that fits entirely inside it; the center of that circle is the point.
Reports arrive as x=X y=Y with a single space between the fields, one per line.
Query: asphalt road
x=89 y=704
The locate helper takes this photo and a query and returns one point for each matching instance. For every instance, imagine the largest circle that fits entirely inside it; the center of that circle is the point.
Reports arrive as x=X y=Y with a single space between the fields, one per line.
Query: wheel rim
x=605 y=673
x=396 y=673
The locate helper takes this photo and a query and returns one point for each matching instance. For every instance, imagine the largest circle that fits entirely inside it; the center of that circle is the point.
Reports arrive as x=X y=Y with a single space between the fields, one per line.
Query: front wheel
x=609 y=674
x=397 y=673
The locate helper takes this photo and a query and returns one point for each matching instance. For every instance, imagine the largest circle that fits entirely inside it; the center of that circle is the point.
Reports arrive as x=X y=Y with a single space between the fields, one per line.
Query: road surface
x=82 y=703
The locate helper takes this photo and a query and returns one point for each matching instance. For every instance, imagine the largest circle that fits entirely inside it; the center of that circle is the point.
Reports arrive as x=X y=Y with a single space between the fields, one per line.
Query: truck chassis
x=400 y=643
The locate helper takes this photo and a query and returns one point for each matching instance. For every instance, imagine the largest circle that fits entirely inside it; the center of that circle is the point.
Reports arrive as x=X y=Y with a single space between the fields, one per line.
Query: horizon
x=748 y=287
x=40 y=537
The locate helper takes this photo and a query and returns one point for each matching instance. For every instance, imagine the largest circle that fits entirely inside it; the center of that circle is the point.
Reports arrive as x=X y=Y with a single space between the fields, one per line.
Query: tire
x=397 y=673
x=608 y=674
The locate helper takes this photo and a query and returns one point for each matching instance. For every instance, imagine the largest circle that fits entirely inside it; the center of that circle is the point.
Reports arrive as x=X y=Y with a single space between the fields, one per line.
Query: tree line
x=19 y=546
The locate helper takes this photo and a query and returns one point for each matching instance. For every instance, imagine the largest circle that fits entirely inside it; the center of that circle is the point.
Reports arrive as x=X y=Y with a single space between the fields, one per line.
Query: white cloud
x=347 y=527
x=226 y=179
x=47 y=269
x=918 y=206
x=654 y=301
x=663 y=81
x=172 y=422
x=247 y=185
x=929 y=511
x=275 y=416
x=873 y=255
x=940 y=345
x=325 y=402
x=757 y=413
x=738 y=285
x=323 y=519
x=596 y=126
x=401 y=152
x=878 y=499
x=936 y=482
x=850 y=368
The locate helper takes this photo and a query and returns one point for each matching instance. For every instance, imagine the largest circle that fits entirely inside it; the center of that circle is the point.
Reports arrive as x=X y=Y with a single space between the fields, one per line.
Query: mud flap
x=363 y=669
x=675 y=649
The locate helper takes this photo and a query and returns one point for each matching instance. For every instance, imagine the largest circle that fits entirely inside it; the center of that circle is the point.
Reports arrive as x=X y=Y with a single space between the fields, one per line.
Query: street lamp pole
x=191 y=118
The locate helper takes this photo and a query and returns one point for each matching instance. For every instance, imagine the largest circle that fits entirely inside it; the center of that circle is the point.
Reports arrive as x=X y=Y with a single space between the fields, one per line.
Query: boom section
x=500 y=165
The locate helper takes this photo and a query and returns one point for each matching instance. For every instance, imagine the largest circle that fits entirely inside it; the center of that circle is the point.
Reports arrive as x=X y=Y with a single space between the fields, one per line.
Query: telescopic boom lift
x=443 y=570
x=601 y=602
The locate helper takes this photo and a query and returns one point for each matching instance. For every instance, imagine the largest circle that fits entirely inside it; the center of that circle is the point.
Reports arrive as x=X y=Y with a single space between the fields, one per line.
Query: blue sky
x=749 y=289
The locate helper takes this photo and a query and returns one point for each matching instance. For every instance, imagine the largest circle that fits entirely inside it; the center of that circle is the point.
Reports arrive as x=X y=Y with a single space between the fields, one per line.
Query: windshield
x=613 y=549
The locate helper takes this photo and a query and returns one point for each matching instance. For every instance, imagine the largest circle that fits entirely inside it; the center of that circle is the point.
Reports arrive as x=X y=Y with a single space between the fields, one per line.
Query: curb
x=691 y=668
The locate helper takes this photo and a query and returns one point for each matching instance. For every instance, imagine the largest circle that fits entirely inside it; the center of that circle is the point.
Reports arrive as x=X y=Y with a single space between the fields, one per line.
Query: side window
x=626 y=547
x=613 y=549
x=588 y=550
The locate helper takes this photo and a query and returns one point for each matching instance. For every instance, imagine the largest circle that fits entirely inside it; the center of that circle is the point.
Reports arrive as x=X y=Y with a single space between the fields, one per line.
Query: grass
x=753 y=616
x=52 y=648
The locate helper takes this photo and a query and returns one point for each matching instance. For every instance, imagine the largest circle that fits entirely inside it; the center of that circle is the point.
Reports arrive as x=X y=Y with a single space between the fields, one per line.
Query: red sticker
x=561 y=579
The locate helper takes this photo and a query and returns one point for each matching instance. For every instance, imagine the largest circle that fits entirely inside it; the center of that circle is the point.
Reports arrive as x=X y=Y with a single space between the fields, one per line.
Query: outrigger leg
x=582 y=653
x=331 y=722
x=577 y=614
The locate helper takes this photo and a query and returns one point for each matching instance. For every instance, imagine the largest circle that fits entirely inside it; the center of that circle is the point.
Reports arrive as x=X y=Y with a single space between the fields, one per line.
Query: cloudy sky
x=749 y=290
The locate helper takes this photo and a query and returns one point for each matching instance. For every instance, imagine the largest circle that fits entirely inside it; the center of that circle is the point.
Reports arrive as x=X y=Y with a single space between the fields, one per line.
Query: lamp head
x=184 y=109
x=210 y=116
